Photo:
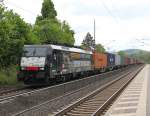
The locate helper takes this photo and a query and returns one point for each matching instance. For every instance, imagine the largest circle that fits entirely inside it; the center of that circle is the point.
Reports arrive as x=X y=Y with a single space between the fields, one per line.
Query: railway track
x=95 y=103
x=28 y=101
x=8 y=92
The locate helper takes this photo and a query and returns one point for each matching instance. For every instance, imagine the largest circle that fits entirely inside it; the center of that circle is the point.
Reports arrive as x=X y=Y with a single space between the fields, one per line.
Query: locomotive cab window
x=33 y=52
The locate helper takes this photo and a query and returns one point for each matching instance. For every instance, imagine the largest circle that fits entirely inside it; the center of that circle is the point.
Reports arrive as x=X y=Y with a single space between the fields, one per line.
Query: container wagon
x=117 y=61
x=110 y=61
x=99 y=61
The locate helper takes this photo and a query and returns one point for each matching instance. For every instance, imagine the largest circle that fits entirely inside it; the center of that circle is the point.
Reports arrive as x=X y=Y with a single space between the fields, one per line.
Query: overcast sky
x=120 y=24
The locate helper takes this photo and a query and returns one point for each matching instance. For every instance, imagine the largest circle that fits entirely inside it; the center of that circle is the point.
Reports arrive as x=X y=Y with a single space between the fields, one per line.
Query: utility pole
x=94 y=34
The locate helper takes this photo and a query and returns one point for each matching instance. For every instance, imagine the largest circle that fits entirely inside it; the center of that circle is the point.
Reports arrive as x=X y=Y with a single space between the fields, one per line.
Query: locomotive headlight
x=42 y=68
x=22 y=68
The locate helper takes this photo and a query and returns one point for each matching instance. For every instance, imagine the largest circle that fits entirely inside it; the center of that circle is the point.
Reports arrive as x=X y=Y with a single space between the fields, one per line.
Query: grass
x=8 y=76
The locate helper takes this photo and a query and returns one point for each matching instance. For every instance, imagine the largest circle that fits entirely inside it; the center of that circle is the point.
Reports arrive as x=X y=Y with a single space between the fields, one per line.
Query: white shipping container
x=117 y=60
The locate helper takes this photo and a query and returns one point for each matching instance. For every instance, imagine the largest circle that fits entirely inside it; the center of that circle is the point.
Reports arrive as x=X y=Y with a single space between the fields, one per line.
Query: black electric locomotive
x=42 y=64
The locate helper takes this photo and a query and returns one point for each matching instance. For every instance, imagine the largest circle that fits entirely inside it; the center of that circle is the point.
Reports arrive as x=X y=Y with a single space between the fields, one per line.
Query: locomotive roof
x=71 y=49
x=62 y=48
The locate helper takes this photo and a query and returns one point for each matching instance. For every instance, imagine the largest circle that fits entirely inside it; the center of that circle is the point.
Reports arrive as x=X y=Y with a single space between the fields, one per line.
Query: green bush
x=8 y=76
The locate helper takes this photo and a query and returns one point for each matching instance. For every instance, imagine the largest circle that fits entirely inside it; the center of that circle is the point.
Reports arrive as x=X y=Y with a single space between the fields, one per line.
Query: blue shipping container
x=110 y=59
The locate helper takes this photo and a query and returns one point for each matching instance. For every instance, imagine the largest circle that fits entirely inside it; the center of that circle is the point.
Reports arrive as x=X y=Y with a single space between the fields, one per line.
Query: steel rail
x=23 y=101
x=39 y=90
x=38 y=107
x=7 y=91
x=69 y=109
x=114 y=96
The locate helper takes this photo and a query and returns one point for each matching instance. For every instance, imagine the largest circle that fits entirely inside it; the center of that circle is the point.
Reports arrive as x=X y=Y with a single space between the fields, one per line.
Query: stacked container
x=117 y=60
x=99 y=60
x=110 y=60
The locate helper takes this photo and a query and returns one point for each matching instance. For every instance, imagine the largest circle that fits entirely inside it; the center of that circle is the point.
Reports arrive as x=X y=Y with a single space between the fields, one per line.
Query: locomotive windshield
x=34 y=51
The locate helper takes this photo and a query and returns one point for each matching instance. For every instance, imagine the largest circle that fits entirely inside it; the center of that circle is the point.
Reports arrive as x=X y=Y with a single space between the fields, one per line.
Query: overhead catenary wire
x=26 y=10
x=115 y=16
x=109 y=11
x=114 y=7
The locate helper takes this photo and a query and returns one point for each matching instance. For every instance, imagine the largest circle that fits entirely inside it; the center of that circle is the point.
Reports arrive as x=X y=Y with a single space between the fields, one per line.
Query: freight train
x=43 y=64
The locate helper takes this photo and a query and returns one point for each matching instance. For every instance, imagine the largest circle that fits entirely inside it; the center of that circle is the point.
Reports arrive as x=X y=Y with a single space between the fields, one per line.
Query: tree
x=67 y=34
x=48 y=10
x=49 y=29
x=122 y=53
x=14 y=32
x=100 y=48
x=88 y=42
